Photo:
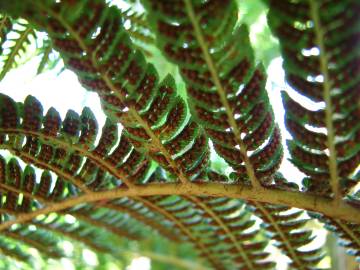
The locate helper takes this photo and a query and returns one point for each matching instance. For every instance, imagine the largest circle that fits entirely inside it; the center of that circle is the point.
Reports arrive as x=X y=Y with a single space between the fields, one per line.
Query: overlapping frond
x=348 y=233
x=20 y=193
x=38 y=138
x=227 y=93
x=101 y=54
x=68 y=147
x=321 y=61
x=234 y=234
x=286 y=227
x=226 y=89
x=202 y=227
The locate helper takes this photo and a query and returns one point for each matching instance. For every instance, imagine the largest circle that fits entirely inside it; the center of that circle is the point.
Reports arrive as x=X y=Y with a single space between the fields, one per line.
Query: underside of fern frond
x=42 y=139
x=321 y=61
x=156 y=173
x=227 y=94
x=226 y=89
x=313 y=45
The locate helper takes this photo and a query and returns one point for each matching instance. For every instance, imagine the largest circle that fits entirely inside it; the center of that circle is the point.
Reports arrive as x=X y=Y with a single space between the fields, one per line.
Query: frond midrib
x=221 y=92
x=319 y=37
x=292 y=199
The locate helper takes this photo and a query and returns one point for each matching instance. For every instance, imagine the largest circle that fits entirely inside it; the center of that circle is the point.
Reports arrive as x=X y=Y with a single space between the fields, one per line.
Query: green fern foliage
x=348 y=233
x=46 y=140
x=164 y=173
x=16 y=45
x=42 y=139
x=129 y=89
x=313 y=44
x=226 y=89
x=286 y=227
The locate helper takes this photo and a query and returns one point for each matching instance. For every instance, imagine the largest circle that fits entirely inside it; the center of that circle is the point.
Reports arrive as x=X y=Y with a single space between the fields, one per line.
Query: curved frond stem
x=283 y=237
x=222 y=94
x=102 y=163
x=319 y=37
x=156 y=142
x=73 y=179
x=293 y=199
x=249 y=264
x=86 y=218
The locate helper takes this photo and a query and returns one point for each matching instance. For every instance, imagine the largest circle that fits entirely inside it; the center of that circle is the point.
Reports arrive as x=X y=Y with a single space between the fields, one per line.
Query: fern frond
x=128 y=87
x=226 y=90
x=290 y=236
x=68 y=147
x=235 y=230
x=79 y=132
x=186 y=219
x=314 y=37
x=16 y=47
x=348 y=233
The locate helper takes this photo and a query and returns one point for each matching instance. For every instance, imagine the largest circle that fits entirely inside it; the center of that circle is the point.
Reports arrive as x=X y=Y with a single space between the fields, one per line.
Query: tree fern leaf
x=311 y=39
x=77 y=232
x=185 y=226
x=142 y=214
x=49 y=58
x=40 y=193
x=288 y=231
x=47 y=138
x=120 y=100
x=244 y=257
x=223 y=83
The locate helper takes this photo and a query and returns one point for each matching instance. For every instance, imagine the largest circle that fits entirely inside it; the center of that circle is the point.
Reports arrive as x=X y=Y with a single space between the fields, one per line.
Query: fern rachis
x=155 y=178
